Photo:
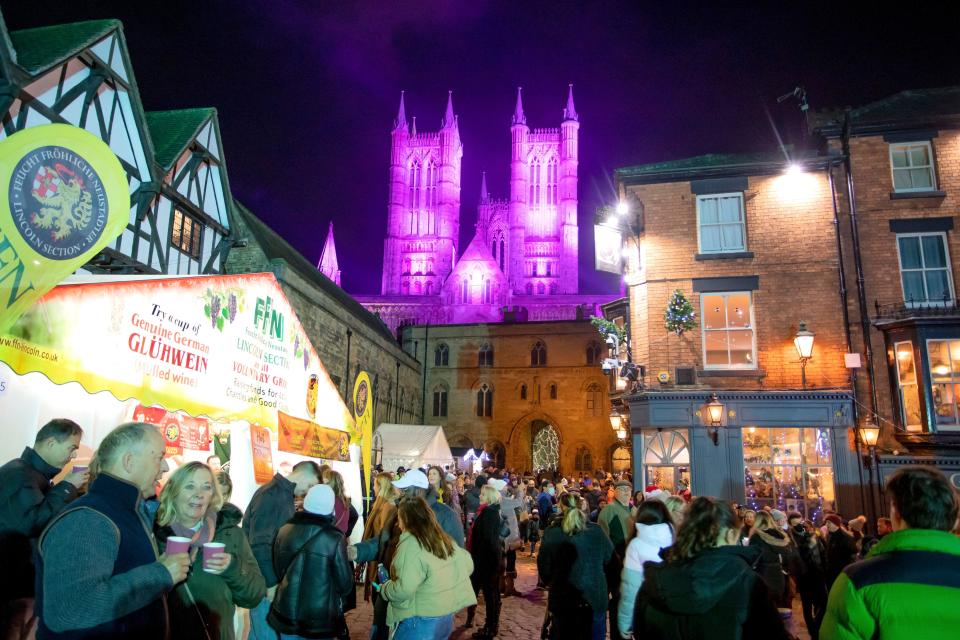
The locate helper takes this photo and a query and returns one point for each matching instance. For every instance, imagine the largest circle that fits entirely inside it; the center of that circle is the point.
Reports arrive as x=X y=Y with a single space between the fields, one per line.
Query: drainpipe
x=846 y=326
x=396 y=397
x=346 y=372
x=858 y=263
x=423 y=386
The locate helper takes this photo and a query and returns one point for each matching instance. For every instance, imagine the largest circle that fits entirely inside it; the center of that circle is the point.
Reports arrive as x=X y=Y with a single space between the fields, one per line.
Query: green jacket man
x=615 y=518
x=908 y=587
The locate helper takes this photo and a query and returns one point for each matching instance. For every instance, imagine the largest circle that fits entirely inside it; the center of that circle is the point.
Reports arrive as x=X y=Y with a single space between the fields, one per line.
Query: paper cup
x=177 y=544
x=209 y=550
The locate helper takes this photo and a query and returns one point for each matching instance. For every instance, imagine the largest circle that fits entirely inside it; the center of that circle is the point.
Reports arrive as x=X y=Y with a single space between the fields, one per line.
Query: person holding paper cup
x=223 y=574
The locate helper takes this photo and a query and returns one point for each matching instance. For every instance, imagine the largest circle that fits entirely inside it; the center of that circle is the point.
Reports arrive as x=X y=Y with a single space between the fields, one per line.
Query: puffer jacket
x=650 y=540
x=716 y=595
x=907 y=589
x=422 y=584
x=310 y=558
x=202 y=607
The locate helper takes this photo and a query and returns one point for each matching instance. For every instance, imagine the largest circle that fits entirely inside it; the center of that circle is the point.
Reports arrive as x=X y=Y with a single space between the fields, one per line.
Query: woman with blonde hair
x=429 y=577
x=203 y=606
x=383 y=511
x=677 y=508
x=777 y=554
x=486 y=548
x=574 y=562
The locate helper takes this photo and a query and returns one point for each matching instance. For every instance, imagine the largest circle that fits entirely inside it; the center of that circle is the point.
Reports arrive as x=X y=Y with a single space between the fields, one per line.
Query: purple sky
x=307 y=91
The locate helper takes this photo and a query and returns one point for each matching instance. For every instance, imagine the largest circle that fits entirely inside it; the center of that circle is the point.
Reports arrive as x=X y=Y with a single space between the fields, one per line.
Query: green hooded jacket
x=908 y=588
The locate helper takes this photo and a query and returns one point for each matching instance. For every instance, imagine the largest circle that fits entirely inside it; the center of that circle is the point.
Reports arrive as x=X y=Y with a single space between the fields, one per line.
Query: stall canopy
x=411 y=445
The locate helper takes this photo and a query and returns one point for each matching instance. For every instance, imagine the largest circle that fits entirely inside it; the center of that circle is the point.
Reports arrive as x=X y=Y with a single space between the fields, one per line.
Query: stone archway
x=520 y=443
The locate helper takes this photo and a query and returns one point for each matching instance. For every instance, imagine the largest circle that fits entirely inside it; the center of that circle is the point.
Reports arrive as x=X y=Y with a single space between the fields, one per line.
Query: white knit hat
x=319 y=500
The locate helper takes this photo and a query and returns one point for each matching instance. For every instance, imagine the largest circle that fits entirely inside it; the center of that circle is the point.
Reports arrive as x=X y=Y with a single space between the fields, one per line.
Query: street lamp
x=622 y=208
x=714 y=417
x=616 y=420
x=869 y=434
x=803 y=341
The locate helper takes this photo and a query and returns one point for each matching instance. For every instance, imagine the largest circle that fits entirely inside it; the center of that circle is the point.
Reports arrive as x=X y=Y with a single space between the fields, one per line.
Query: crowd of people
x=113 y=552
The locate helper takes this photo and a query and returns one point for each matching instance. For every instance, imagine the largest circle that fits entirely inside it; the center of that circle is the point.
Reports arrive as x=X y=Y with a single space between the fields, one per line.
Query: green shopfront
x=789 y=450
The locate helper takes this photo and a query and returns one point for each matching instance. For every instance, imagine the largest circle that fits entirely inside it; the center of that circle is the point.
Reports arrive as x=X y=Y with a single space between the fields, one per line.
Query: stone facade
x=567 y=394
x=522 y=263
x=347 y=337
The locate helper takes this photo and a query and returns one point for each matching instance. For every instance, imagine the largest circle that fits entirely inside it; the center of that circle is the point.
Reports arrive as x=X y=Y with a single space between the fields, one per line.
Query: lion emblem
x=66 y=203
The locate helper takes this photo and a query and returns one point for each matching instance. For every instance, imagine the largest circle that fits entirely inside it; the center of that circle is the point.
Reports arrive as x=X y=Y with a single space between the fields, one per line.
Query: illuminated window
x=909 y=393
x=551 y=194
x=431 y=200
x=485 y=356
x=484 y=401
x=789 y=469
x=414 y=183
x=912 y=166
x=440 y=402
x=720 y=223
x=538 y=355
x=945 y=377
x=441 y=356
x=728 y=336
x=185 y=233
x=925 y=269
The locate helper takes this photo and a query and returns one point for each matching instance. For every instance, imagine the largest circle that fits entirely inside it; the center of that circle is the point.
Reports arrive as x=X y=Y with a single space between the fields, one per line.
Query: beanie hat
x=319 y=500
x=835 y=519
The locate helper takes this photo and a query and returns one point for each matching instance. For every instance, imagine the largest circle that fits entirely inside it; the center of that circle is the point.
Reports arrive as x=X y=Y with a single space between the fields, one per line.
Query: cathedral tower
x=423 y=218
x=543 y=204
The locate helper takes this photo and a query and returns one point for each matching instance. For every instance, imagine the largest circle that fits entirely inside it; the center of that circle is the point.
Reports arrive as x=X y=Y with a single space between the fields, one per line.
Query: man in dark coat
x=841 y=548
x=28 y=501
x=471 y=499
x=270 y=508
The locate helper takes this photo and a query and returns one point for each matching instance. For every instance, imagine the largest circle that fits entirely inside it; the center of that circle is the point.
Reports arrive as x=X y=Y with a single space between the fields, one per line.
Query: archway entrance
x=545 y=447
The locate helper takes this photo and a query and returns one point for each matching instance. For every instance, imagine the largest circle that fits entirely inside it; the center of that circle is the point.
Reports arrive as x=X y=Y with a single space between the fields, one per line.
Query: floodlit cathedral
x=522 y=263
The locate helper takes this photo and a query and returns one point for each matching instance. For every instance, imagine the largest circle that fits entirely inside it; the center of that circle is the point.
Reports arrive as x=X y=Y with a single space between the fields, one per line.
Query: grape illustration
x=232 y=306
x=306 y=359
x=214 y=309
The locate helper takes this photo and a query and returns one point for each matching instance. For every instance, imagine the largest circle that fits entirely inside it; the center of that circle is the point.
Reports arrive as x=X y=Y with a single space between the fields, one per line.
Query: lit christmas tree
x=679 y=316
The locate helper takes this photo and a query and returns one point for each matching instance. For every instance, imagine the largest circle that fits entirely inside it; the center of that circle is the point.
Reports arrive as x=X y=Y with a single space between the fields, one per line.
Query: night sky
x=307 y=91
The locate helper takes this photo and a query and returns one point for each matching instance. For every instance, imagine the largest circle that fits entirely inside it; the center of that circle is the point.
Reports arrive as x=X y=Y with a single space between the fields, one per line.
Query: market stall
x=410 y=446
x=220 y=363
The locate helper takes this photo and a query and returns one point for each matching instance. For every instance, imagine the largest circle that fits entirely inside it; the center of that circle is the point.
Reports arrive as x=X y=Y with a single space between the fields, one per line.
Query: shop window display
x=666 y=461
x=789 y=469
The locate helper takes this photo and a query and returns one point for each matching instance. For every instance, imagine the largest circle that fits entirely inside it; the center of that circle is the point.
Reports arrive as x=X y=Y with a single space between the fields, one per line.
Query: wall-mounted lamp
x=616 y=420
x=803 y=341
x=714 y=413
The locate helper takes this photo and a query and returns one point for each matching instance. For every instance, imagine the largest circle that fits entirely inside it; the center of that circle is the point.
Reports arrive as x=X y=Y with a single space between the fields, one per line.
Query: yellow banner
x=310 y=439
x=65 y=197
x=363 y=414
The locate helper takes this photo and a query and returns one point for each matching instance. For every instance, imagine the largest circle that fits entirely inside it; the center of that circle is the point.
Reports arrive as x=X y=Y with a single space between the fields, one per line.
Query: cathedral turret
x=484 y=194
x=518 y=116
x=569 y=112
x=569 y=141
x=449 y=120
x=328 y=264
x=401 y=121
x=519 y=134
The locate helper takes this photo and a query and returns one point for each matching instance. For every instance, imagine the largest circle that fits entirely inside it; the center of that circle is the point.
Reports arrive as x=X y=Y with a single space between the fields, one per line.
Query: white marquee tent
x=410 y=446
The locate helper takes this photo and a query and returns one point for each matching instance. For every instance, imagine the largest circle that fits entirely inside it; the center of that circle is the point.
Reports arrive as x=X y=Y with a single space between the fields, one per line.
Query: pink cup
x=177 y=544
x=210 y=549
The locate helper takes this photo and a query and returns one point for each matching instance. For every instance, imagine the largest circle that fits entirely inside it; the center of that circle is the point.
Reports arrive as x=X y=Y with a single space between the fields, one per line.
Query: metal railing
x=901 y=310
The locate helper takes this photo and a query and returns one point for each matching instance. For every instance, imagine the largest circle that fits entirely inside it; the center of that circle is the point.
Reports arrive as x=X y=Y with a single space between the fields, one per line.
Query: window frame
x=440 y=402
x=901 y=385
x=484 y=401
x=743 y=223
x=441 y=355
x=923 y=269
x=752 y=327
x=539 y=348
x=954 y=380
x=891 y=147
x=485 y=355
x=195 y=237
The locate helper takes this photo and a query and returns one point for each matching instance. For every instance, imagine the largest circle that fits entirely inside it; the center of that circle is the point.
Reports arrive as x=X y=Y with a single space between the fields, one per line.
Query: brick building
x=347 y=337
x=903 y=161
x=750 y=241
x=531 y=394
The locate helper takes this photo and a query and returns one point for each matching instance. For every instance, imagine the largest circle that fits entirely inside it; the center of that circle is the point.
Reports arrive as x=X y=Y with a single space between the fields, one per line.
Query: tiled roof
x=172 y=131
x=41 y=48
x=720 y=161
x=920 y=106
x=275 y=247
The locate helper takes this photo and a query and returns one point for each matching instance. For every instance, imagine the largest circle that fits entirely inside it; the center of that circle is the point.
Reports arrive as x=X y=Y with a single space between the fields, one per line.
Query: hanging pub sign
x=607 y=241
x=64 y=198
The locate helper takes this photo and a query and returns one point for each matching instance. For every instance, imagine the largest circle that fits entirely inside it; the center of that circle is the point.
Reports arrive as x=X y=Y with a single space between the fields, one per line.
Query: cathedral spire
x=484 y=194
x=569 y=112
x=449 y=120
x=401 y=121
x=518 y=117
x=328 y=264
x=413 y=131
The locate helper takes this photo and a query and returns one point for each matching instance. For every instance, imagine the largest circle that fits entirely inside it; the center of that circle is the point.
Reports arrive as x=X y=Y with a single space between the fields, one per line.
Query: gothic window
x=406 y=288
x=431 y=195
x=406 y=266
x=553 y=288
x=493 y=249
x=553 y=391
x=464 y=291
x=440 y=402
x=541 y=289
x=417 y=287
x=414 y=183
x=484 y=401
x=501 y=254
x=594 y=399
x=430 y=288
x=583 y=460
x=487 y=292
x=548 y=268
x=538 y=355
x=485 y=357
x=441 y=356
x=533 y=268
x=593 y=353
x=536 y=196
x=529 y=288
x=551 y=194
x=430 y=266
x=523 y=392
